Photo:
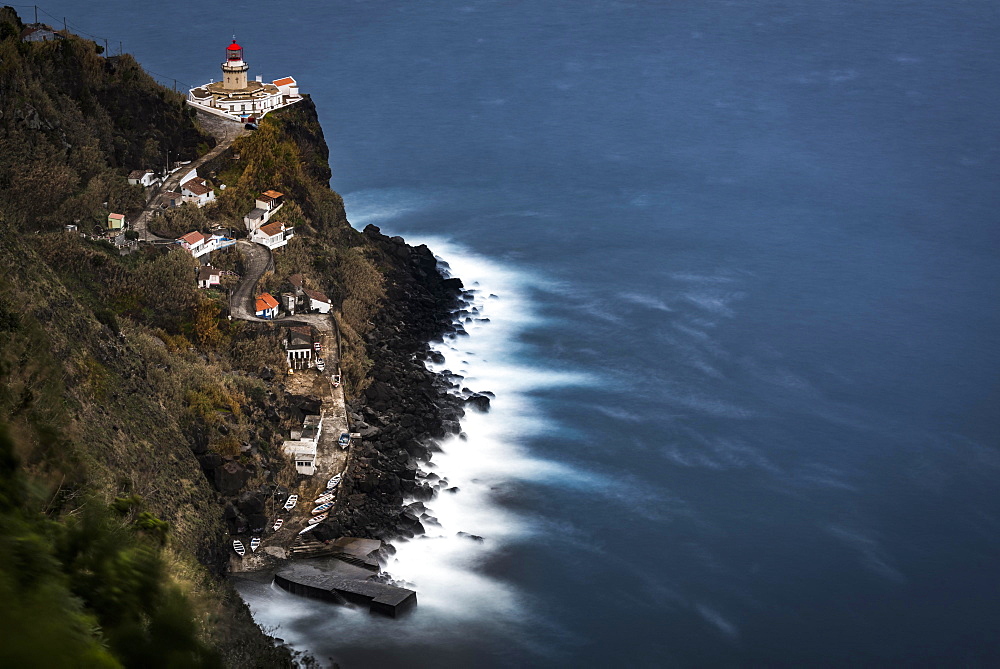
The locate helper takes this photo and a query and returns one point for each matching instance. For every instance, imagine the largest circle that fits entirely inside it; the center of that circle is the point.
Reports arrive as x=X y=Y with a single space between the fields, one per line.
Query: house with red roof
x=273 y=235
x=197 y=191
x=318 y=301
x=194 y=242
x=266 y=306
x=267 y=205
x=116 y=221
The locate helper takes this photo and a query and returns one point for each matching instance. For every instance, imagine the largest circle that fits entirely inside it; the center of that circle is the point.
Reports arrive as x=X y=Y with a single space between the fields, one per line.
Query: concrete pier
x=310 y=580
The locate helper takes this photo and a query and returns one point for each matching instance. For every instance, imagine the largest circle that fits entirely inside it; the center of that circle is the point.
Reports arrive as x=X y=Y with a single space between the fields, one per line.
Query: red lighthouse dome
x=234 y=51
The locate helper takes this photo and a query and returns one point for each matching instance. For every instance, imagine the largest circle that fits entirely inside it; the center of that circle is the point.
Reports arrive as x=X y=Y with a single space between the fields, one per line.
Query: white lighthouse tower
x=234 y=69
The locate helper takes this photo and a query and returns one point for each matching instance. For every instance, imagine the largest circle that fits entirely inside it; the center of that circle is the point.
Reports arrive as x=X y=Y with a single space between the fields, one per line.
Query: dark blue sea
x=741 y=261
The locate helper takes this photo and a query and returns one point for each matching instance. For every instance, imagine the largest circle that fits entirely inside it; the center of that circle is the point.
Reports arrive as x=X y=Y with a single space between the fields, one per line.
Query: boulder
x=479 y=402
x=230 y=478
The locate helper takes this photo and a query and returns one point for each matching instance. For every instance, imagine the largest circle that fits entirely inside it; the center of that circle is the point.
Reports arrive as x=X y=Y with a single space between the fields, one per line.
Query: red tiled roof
x=271 y=229
x=296 y=280
x=316 y=295
x=283 y=82
x=117 y=217
x=192 y=238
x=273 y=193
x=265 y=302
x=197 y=186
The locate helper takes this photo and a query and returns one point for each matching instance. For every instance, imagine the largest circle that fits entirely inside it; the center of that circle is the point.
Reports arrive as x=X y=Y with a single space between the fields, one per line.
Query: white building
x=198 y=244
x=267 y=205
x=266 y=306
x=273 y=235
x=209 y=276
x=302 y=446
x=318 y=301
x=197 y=191
x=237 y=98
x=142 y=178
x=299 y=350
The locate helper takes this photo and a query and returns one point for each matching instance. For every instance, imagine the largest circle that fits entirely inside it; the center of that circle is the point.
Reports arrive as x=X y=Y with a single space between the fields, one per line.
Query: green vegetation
x=73 y=123
x=115 y=370
x=90 y=591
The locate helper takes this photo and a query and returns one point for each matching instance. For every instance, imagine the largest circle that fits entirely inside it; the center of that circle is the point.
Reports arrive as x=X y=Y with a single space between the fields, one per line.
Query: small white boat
x=332 y=483
x=323 y=499
x=318 y=519
x=277 y=524
x=321 y=508
x=292 y=501
x=254 y=543
x=307 y=528
x=238 y=547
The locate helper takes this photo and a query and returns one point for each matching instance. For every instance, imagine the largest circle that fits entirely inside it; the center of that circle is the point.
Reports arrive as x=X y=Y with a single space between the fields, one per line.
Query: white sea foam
x=442 y=566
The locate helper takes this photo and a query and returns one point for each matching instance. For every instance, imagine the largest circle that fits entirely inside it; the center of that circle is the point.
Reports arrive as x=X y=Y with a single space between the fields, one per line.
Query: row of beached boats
x=254 y=545
x=320 y=513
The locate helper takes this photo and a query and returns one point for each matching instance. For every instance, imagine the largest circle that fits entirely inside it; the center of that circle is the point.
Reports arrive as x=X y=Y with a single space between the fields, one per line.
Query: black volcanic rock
x=230 y=478
x=479 y=402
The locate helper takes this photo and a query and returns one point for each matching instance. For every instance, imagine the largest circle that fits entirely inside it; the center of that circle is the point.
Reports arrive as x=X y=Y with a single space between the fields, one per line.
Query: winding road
x=225 y=132
x=257 y=260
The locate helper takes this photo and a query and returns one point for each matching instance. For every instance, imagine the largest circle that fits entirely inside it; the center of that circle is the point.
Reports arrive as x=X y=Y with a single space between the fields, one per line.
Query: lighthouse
x=236 y=97
x=234 y=69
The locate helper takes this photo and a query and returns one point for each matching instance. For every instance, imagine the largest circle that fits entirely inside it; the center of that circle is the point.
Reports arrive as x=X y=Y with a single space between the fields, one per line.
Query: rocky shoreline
x=406 y=407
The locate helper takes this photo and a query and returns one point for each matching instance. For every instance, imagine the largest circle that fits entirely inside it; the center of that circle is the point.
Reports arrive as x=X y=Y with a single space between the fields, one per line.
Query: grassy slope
x=114 y=369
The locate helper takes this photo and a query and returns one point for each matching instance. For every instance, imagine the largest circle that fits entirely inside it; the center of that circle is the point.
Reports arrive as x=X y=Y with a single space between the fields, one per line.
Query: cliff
x=137 y=423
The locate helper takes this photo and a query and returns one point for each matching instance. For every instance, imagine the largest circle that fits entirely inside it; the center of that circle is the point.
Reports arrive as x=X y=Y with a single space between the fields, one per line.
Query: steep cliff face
x=111 y=381
x=128 y=395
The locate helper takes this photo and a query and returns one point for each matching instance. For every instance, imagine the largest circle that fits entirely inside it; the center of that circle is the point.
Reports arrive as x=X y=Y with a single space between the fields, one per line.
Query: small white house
x=266 y=306
x=197 y=191
x=318 y=301
x=266 y=205
x=209 y=276
x=199 y=244
x=273 y=235
x=302 y=446
x=193 y=242
x=142 y=178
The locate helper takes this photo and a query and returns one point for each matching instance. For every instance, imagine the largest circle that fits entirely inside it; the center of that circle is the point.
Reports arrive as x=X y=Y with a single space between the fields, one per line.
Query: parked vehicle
x=345 y=440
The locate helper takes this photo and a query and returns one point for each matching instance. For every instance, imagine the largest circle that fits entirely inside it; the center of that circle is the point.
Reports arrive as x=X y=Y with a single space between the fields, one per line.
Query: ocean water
x=744 y=339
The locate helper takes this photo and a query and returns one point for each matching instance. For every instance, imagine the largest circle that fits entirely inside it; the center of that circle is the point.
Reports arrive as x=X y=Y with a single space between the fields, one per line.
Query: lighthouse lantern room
x=234 y=70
